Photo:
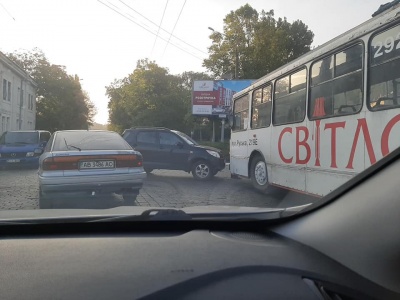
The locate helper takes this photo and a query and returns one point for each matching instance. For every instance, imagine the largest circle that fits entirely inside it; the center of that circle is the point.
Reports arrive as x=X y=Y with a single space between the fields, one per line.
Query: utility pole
x=21 y=99
x=236 y=76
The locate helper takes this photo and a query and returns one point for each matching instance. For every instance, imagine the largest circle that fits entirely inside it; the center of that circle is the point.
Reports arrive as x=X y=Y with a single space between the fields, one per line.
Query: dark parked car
x=163 y=148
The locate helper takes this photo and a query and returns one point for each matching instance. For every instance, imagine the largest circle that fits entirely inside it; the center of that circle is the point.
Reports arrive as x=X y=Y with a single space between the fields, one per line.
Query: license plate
x=97 y=164
x=13 y=160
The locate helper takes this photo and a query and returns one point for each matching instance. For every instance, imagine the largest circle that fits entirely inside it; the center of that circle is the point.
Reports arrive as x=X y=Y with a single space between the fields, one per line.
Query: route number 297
x=387 y=46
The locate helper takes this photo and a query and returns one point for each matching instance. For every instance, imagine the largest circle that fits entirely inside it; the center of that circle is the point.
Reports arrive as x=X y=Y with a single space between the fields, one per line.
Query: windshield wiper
x=71 y=146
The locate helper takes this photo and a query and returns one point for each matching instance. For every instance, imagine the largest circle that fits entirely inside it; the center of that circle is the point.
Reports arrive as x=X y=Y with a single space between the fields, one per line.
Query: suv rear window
x=147 y=137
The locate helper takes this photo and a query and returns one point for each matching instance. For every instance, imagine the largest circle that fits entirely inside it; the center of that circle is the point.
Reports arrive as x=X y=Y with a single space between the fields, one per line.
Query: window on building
x=31 y=102
x=4 y=89
x=9 y=92
x=8 y=123
x=3 y=124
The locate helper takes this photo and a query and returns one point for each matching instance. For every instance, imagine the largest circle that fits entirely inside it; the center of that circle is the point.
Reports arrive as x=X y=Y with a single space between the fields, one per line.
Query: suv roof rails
x=149 y=127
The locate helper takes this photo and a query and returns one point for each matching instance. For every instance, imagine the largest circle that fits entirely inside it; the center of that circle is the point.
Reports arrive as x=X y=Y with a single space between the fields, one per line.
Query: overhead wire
x=148 y=30
x=158 y=31
x=173 y=29
x=5 y=9
x=174 y=36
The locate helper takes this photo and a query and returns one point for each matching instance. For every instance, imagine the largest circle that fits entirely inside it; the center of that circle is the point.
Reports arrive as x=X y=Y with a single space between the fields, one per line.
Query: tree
x=61 y=102
x=254 y=44
x=150 y=96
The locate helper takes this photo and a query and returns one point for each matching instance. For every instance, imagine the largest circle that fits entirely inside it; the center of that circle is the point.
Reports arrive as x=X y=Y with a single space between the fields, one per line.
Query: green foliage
x=61 y=102
x=151 y=96
x=256 y=43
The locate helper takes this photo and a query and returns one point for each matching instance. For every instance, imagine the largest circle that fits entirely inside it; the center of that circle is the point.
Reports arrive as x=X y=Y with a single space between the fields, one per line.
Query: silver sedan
x=89 y=161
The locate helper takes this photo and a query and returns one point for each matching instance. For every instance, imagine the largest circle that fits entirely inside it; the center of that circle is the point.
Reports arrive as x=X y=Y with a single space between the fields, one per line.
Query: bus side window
x=240 y=111
x=261 y=107
x=341 y=89
x=290 y=98
x=384 y=70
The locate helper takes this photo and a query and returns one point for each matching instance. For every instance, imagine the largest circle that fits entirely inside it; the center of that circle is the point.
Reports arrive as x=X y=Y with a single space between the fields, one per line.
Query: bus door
x=288 y=161
x=239 y=140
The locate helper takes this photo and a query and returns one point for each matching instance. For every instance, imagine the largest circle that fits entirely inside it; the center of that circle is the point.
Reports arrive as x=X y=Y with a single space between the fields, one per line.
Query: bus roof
x=347 y=37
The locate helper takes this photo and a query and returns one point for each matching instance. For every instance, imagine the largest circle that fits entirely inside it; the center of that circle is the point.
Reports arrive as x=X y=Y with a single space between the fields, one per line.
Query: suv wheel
x=201 y=170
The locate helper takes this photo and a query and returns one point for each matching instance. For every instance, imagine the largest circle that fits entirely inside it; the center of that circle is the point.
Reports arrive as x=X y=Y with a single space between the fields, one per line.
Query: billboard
x=214 y=97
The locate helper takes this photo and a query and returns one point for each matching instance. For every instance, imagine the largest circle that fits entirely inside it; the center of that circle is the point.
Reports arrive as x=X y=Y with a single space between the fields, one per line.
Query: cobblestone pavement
x=163 y=188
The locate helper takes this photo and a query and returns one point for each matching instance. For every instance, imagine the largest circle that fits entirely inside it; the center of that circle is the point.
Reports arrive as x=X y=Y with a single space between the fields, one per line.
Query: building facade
x=17 y=97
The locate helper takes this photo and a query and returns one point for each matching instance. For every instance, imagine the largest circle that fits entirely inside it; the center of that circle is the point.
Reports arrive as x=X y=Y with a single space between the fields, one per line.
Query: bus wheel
x=259 y=176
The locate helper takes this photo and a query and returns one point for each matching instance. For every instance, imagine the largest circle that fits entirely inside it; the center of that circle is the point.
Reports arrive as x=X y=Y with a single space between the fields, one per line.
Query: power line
x=148 y=30
x=174 y=27
x=158 y=31
x=162 y=28
x=5 y=9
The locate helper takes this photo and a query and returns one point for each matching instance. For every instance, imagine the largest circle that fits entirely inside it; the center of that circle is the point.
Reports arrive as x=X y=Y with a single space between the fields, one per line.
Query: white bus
x=318 y=121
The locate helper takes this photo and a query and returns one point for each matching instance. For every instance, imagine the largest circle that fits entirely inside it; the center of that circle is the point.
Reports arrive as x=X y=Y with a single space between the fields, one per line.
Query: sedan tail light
x=73 y=162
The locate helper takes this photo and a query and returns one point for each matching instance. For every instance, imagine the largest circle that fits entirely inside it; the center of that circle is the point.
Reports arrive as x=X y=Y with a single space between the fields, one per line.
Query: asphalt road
x=162 y=188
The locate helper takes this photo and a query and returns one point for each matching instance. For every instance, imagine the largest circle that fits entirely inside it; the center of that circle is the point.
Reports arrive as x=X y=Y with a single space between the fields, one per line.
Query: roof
x=27 y=131
x=16 y=68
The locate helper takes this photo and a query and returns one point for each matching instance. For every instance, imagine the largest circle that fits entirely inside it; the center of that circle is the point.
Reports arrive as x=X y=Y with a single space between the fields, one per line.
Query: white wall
x=12 y=112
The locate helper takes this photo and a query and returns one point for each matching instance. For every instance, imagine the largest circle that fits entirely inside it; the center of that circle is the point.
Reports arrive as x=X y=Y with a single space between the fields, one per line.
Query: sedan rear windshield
x=19 y=138
x=89 y=140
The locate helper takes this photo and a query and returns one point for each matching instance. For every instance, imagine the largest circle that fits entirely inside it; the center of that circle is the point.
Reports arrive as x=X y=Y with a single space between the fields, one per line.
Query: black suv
x=163 y=148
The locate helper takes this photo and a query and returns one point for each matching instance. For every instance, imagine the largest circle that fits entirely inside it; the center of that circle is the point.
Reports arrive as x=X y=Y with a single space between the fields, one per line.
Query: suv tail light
x=72 y=162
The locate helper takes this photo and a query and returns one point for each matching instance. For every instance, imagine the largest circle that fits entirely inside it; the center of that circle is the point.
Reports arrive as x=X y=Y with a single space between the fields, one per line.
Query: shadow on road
x=85 y=201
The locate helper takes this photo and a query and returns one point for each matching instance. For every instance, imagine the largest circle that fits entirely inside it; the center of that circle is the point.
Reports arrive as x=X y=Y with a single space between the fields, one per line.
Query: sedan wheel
x=130 y=197
x=44 y=201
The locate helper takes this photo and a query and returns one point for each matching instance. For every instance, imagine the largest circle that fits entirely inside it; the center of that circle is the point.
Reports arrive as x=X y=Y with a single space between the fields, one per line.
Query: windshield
x=290 y=101
x=19 y=138
x=187 y=138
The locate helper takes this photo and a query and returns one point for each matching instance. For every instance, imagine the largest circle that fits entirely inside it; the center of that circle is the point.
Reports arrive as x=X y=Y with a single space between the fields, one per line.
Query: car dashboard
x=124 y=262
x=345 y=247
